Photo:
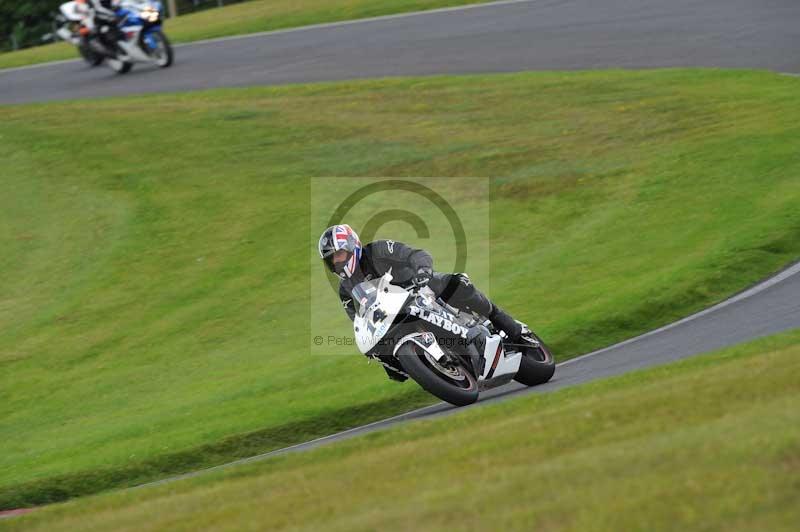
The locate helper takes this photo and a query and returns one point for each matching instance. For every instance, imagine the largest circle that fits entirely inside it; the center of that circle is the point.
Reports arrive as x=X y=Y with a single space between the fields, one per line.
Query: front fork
x=148 y=42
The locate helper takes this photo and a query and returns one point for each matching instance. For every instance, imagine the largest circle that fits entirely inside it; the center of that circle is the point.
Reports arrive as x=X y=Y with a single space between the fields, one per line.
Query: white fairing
x=73 y=11
x=131 y=46
x=388 y=300
x=379 y=302
x=498 y=362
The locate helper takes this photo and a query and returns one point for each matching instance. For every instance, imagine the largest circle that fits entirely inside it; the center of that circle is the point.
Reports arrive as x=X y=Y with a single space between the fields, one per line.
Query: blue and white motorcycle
x=137 y=38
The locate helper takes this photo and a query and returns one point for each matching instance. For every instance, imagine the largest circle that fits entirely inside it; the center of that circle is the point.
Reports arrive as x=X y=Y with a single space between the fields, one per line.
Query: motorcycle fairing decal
x=428 y=338
x=418 y=338
x=379 y=331
x=438 y=320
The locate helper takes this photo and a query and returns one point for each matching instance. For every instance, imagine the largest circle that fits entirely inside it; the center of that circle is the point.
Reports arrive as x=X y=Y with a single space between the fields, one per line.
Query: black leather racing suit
x=105 y=16
x=380 y=256
x=103 y=9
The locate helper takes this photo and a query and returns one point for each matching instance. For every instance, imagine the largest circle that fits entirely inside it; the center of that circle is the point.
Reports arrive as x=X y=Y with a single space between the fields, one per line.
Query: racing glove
x=422 y=277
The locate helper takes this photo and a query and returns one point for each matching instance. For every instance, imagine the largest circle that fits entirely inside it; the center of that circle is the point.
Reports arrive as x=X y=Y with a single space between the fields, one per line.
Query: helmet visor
x=338 y=262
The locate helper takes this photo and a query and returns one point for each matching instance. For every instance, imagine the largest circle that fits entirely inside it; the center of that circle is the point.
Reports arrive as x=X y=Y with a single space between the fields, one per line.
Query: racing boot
x=506 y=323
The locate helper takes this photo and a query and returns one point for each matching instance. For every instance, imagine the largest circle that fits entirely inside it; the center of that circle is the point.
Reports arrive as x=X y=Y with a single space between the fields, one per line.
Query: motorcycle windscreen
x=365 y=294
x=379 y=303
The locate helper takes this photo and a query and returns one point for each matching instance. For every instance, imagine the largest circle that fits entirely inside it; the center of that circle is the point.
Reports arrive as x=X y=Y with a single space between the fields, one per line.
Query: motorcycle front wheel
x=120 y=67
x=162 y=53
x=451 y=383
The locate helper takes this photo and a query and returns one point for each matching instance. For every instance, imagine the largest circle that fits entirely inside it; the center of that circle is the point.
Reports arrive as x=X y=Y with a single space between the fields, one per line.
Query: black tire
x=89 y=55
x=120 y=67
x=419 y=368
x=169 y=55
x=537 y=366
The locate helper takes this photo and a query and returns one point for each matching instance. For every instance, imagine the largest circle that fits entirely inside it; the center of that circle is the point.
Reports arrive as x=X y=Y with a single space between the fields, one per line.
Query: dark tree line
x=24 y=22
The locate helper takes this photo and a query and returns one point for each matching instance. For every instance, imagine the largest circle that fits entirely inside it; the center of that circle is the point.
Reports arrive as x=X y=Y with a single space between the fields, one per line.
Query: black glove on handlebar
x=423 y=277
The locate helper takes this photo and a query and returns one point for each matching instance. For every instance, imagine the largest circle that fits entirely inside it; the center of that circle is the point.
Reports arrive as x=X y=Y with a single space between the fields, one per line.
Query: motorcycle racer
x=103 y=13
x=343 y=254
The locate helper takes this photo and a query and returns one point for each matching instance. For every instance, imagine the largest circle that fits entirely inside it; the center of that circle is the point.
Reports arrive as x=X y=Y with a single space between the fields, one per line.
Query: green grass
x=711 y=443
x=154 y=277
x=248 y=17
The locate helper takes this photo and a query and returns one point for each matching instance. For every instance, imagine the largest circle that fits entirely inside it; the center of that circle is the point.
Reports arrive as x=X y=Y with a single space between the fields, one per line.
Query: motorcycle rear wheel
x=120 y=67
x=89 y=55
x=455 y=385
x=537 y=365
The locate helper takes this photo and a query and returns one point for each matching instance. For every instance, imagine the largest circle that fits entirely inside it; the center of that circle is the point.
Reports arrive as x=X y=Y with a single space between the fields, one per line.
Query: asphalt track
x=509 y=36
x=501 y=37
x=767 y=308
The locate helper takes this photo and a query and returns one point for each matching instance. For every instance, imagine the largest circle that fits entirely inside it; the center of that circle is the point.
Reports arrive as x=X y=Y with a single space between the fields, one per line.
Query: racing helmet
x=340 y=237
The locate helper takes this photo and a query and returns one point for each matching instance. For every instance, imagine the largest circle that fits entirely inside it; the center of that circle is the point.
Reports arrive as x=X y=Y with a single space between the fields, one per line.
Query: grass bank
x=248 y=17
x=711 y=443
x=155 y=273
